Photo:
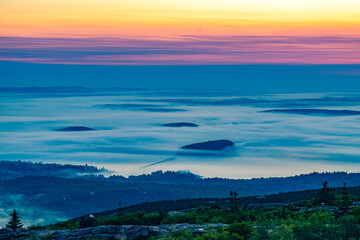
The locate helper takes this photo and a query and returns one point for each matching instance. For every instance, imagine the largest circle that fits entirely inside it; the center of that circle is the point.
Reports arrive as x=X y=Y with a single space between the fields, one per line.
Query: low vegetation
x=327 y=216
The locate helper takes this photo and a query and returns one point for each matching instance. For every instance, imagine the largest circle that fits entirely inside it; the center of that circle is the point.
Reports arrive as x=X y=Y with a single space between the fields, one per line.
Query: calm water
x=129 y=134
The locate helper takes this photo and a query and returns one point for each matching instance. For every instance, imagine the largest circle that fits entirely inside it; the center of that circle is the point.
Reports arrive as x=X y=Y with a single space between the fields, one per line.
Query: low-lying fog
x=129 y=133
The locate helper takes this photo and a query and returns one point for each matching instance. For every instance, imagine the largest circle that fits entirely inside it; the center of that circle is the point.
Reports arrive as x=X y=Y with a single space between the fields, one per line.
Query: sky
x=180 y=32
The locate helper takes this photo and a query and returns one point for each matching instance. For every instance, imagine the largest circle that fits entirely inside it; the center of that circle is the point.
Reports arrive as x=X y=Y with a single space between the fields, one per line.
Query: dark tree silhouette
x=345 y=199
x=15 y=221
x=234 y=200
x=325 y=195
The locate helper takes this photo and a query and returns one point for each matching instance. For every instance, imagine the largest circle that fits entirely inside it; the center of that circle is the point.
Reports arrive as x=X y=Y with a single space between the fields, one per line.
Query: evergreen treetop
x=325 y=195
x=15 y=221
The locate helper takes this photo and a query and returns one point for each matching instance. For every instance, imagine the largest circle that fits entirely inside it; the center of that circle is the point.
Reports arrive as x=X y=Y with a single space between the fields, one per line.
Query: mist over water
x=129 y=133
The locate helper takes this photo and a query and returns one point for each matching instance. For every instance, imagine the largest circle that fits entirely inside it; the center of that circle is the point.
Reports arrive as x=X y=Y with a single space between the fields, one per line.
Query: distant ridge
x=87 y=190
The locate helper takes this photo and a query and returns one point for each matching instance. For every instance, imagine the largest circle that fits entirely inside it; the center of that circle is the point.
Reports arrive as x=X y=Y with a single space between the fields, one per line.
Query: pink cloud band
x=187 y=50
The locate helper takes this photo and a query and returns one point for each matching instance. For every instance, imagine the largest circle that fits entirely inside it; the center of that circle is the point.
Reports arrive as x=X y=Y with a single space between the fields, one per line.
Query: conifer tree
x=325 y=195
x=345 y=198
x=15 y=221
x=234 y=200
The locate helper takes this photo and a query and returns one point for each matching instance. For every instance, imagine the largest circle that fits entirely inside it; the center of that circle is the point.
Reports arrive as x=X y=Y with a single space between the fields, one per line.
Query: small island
x=180 y=124
x=216 y=145
x=75 y=129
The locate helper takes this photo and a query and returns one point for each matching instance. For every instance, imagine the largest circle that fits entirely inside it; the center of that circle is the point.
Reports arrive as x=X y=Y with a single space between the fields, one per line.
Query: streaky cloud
x=184 y=49
x=317 y=112
x=156 y=163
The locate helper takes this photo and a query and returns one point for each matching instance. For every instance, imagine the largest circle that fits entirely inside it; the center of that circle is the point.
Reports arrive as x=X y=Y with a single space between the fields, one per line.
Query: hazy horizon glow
x=157 y=32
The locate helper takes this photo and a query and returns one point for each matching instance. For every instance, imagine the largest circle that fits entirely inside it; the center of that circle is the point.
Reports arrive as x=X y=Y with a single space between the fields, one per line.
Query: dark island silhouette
x=216 y=145
x=75 y=129
x=311 y=111
x=180 y=124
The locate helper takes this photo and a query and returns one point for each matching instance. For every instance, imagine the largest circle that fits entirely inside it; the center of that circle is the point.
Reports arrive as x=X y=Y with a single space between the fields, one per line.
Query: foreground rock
x=7 y=233
x=128 y=232
x=216 y=145
x=180 y=124
x=75 y=129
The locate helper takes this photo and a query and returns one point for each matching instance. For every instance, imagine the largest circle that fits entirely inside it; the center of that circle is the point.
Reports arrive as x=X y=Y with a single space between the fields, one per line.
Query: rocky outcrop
x=216 y=145
x=105 y=232
x=124 y=232
x=7 y=233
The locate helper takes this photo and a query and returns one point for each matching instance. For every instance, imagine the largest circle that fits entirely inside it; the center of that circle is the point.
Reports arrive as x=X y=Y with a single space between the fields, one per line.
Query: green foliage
x=36 y=227
x=261 y=233
x=137 y=218
x=66 y=225
x=319 y=225
x=221 y=235
x=190 y=217
x=344 y=200
x=236 y=231
x=349 y=227
x=283 y=223
x=356 y=213
x=242 y=229
x=15 y=221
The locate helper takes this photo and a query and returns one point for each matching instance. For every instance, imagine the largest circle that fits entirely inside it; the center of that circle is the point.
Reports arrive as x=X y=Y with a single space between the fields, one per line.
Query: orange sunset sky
x=180 y=31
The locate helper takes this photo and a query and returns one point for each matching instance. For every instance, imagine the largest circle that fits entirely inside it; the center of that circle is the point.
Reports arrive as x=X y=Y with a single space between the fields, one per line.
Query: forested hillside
x=72 y=190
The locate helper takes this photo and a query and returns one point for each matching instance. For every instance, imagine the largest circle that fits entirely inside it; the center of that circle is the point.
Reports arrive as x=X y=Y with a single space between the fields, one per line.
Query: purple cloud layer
x=183 y=50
